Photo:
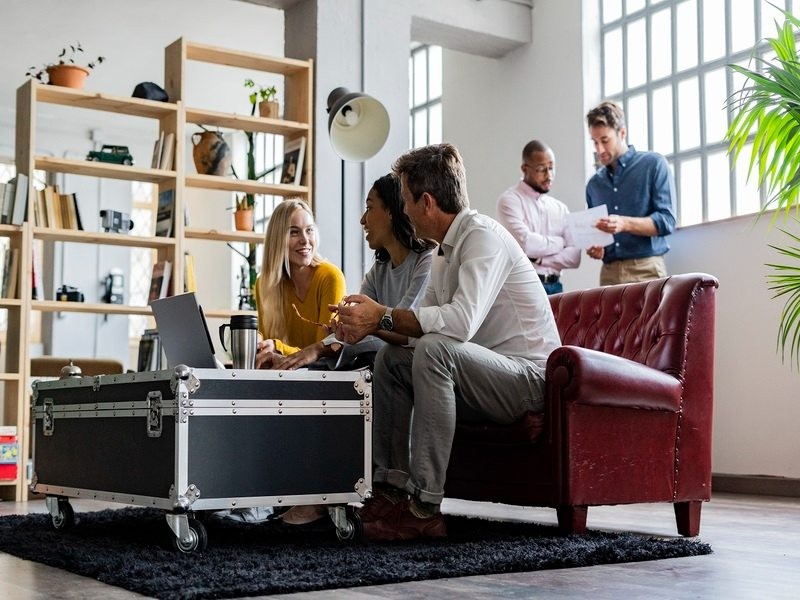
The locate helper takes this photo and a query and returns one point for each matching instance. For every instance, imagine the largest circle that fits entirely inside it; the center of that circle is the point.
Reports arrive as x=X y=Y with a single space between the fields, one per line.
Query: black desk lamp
x=358 y=126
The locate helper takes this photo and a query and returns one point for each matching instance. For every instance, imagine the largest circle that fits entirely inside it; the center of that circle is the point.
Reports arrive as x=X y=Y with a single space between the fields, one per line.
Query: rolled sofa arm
x=596 y=378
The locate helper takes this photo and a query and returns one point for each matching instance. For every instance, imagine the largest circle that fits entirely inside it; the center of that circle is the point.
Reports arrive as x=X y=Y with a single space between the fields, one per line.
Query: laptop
x=184 y=332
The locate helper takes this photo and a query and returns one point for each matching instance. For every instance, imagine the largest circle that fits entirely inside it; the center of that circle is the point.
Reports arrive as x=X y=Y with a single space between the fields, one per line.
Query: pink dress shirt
x=539 y=224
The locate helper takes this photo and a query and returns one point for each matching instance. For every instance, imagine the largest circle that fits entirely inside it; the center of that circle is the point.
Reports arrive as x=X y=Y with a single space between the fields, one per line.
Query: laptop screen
x=184 y=331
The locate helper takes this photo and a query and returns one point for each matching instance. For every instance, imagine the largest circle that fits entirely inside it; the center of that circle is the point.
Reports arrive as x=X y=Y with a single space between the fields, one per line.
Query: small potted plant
x=265 y=97
x=244 y=214
x=66 y=72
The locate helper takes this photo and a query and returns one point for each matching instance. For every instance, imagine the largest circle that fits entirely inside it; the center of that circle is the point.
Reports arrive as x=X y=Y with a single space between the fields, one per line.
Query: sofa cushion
x=525 y=431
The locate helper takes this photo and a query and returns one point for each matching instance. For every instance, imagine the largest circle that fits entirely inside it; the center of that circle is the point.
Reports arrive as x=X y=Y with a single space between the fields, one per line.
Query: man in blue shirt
x=638 y=189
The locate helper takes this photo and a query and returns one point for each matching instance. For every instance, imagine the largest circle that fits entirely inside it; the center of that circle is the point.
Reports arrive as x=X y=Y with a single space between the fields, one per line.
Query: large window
x=665 y=62
x=425 y=95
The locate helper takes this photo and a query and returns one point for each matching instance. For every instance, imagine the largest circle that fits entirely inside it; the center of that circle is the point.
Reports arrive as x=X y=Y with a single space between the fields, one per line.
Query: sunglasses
x=327 y=326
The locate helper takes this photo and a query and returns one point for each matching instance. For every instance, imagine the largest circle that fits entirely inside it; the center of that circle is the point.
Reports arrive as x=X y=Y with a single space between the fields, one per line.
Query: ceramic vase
x=211 y=153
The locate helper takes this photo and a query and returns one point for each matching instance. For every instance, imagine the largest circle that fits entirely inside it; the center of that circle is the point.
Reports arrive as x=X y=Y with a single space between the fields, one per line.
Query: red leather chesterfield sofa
x=627 y=415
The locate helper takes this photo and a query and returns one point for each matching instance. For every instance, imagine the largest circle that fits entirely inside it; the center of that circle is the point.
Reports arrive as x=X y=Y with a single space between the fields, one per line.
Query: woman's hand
x=265 y=354
x=306 y=356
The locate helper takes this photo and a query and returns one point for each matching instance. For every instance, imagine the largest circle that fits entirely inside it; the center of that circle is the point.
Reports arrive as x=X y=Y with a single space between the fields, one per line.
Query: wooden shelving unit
x=172 y=117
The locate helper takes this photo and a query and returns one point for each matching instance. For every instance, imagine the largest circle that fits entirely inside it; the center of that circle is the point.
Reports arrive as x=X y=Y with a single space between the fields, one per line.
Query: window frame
x=679 y=157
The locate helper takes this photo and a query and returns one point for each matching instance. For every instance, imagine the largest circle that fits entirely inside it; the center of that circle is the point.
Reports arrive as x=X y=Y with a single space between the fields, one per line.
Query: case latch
x=155 y=418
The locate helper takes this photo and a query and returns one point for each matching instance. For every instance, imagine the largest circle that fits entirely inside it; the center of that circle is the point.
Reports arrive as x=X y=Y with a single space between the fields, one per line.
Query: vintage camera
x=113 y=220
x=68 y=293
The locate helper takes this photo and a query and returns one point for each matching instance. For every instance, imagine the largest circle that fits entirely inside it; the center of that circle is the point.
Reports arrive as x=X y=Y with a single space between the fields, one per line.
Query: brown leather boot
x=402 y=524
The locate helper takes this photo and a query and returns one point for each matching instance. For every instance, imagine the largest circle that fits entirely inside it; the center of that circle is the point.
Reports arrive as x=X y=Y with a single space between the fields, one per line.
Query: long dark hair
x=388 y=190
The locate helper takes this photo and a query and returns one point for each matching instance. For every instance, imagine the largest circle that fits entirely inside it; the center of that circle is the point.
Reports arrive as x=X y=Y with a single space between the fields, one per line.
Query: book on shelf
x=37 y=286
x=20 y=209
x=69 y=211
x=293 y=155
x=159 y=281
x=51 y=207
x=6 y=201
x=164 y=213
x=10 y=273
x=167 y=152
x=39 y=214
x=157 y=151
x=189 y=276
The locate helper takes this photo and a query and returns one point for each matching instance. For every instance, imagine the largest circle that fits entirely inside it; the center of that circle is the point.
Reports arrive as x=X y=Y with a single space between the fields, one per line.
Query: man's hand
x=612 y=224
x=596 y=252
x=359 y=316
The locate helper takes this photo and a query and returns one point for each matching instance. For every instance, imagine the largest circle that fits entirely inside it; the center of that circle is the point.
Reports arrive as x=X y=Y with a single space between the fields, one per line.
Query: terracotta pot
x=71 y=76
x=268 y=109
x=211 y=154
x=244 y=219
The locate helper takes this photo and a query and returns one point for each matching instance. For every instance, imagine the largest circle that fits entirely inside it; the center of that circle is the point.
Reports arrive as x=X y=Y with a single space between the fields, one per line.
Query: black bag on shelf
x=150 y=91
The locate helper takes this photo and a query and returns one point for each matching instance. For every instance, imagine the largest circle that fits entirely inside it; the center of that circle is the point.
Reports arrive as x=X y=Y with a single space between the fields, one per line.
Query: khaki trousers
x=633 y=270
x=418 y=393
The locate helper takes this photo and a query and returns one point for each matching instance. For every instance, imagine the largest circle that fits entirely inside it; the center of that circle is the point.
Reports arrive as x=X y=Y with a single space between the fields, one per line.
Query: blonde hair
x=274 y=280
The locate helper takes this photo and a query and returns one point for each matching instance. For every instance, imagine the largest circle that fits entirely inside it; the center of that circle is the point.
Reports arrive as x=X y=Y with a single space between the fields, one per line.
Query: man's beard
x=539 y=188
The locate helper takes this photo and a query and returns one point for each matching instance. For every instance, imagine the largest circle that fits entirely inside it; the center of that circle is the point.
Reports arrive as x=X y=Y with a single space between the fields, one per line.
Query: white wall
x=493 y=106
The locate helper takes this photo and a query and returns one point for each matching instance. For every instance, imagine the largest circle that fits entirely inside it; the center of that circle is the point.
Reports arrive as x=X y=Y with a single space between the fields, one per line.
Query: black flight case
x=187 y=440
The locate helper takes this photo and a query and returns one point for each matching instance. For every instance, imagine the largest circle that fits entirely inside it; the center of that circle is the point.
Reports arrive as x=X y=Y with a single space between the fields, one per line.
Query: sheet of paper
x=581 y=226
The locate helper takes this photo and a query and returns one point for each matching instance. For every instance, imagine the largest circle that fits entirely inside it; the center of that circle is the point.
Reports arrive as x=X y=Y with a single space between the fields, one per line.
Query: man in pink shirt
x=537 y=220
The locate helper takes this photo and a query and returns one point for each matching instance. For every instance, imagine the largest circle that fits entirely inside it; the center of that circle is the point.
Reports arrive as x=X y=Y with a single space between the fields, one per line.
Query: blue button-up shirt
x=640 y=185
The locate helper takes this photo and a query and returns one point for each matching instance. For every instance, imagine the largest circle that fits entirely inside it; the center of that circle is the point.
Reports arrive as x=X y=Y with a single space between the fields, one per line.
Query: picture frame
x=293 y=156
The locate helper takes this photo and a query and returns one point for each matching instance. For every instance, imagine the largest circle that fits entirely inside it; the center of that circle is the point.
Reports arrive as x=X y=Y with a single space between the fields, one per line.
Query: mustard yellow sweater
x=327 y=287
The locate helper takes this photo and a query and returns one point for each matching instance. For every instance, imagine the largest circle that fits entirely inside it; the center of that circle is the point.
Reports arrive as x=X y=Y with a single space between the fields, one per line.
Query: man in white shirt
x=478 y=346
x=537 y=220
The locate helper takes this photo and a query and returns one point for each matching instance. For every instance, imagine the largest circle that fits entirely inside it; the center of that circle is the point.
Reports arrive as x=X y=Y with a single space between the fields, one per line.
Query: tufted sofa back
x=647 y=322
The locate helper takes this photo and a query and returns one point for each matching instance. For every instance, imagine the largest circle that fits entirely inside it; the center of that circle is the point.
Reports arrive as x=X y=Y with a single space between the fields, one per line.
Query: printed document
x=581 y=226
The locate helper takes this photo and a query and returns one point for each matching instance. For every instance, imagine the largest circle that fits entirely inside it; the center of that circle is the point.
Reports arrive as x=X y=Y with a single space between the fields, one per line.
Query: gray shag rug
x=129 y=548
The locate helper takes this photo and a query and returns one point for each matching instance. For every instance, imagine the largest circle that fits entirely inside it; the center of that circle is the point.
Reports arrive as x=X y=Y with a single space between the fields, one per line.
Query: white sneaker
x=255 y=514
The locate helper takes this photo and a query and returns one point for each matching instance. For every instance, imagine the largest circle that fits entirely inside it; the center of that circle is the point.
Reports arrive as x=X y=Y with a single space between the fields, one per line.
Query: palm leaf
x=766 y=114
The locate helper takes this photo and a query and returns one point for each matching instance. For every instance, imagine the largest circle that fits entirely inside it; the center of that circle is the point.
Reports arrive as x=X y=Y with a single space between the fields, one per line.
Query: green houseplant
x=265 y=97
x=245 y=201
x=767 y=111
x=66 y=72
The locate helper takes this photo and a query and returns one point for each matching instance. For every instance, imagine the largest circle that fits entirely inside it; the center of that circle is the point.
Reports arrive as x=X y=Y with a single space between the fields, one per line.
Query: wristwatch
x=386 y=323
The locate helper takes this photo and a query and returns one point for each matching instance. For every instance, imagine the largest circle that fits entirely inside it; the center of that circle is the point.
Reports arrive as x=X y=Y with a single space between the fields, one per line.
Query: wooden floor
x=756 y=543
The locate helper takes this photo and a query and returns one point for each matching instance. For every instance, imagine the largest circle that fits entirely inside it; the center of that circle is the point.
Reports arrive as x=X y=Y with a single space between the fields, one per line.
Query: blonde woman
x=295 y=285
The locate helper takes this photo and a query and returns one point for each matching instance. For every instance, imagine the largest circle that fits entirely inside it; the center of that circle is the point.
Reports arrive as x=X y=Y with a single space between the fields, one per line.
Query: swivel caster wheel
x=196 y=539
x=347 y=522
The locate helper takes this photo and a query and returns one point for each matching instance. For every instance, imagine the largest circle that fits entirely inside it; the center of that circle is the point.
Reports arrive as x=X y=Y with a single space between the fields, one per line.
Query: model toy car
x=111 y=154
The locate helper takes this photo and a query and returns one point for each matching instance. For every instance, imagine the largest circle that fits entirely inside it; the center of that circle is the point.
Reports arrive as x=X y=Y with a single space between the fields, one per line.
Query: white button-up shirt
x=483 y=289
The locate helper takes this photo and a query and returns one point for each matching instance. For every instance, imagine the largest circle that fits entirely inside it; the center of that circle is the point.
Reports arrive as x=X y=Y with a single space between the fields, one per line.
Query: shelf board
x=214 y=182
x=100 y=237
x=100 y=169
x=10 y=230
x=10 y=302
x=9 y=377
x=221 y=313
x=4 y=482
x=137 y=107
x=245 y=122
x=244 y=60
x=87 y=307
x=223 y=236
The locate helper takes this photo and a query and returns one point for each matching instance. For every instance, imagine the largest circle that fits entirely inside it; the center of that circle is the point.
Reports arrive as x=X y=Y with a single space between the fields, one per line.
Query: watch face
x=386 y=323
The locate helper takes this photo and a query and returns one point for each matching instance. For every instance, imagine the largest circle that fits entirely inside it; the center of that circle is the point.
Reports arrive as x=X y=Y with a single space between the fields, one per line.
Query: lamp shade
x=358 y=124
